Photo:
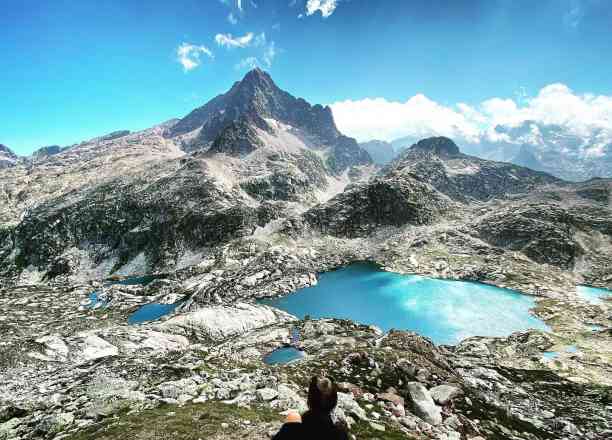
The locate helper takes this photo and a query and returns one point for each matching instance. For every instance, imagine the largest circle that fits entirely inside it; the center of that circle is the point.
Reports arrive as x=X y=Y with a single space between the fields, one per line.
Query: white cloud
x=585 y=116
x=189 y=55
x=247 y=63
x=229 y=41
x=232 y=18
x=269 y=54
x=419 y=116
x=326 y=7
x=260 y=40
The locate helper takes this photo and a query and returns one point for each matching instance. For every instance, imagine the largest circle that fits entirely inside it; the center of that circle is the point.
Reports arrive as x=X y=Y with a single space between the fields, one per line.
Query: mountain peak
x=256 y=79
x=438 y=145
x=256 y=73
x=7 y=151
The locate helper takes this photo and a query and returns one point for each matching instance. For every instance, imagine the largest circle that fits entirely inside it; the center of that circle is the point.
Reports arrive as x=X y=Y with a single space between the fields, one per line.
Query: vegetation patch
x=210 y=420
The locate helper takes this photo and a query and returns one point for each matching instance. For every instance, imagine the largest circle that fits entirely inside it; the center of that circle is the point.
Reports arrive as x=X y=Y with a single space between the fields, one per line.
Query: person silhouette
x=316 y=423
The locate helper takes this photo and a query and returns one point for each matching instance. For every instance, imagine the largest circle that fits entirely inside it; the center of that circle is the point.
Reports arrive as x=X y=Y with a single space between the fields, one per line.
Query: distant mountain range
x=550 y=148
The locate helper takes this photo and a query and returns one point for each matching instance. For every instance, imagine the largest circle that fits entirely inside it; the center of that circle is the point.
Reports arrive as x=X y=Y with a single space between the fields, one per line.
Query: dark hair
x=322 y=395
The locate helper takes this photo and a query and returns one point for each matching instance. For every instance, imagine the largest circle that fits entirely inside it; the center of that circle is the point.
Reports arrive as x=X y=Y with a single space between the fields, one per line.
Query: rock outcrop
x=7 y=157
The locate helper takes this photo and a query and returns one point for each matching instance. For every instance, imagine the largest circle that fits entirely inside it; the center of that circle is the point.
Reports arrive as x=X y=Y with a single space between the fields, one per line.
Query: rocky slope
x=158 y=199
x=507 y=206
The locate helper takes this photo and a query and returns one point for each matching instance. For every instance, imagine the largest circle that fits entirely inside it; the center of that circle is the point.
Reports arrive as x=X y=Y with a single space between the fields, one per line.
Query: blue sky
x=72 y=70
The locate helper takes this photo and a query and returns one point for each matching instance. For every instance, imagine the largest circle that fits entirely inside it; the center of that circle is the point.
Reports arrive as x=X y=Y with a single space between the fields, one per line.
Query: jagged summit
x=438 y=145
x=233 y=123
x=255 y=96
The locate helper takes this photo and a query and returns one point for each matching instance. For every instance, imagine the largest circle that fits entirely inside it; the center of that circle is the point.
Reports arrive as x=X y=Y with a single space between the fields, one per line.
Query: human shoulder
x=289 y=431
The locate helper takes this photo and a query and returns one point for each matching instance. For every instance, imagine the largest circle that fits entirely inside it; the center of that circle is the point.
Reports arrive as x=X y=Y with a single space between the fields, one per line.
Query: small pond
x=446 y=311
x=554 y=354
x=283 y=355
x=593 y=295
x=97 y=299
x=151 y=312
x=146 y=313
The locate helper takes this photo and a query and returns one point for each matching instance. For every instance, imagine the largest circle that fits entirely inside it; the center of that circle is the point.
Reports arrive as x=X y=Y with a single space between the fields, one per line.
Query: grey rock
x=424 y=405
x=266 y=394
x=443 y=394
x=177 y=389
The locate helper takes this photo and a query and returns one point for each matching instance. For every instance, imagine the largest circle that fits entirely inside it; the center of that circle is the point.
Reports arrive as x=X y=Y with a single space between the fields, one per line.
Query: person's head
x=322 y=395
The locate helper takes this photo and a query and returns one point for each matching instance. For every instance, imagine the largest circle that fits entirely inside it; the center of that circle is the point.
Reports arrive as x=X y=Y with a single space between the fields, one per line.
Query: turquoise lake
x=151 y=312
x=283 y=355
x=445 y=311
x=593 y=295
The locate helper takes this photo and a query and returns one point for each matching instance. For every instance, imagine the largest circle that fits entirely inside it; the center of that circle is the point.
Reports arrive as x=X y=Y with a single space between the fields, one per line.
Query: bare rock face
x=227 y=124
x=441 y=146
x=424 y=405
x=386 y=201
x=221 y=322
x=7 y=157
x=124 y=218
x=44 y=152
x=439 y=162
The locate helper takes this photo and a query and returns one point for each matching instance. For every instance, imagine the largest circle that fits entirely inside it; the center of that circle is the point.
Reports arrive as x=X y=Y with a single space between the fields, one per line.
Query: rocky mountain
x=229 y=123
x=138 y=201
x=7 y=157
x=381 y=152
x=507 y=206
x=551 y=148
x=542 y=147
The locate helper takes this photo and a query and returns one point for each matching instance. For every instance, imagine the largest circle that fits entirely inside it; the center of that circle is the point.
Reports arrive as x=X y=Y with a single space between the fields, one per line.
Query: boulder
x=266 y=394
x=8 y=412
x=423 y=404
x=347 y=403
x=55 y=423
x=289 y=399
x=443 y=394
x=95 y=347
x=221 y=322
x=178 y=389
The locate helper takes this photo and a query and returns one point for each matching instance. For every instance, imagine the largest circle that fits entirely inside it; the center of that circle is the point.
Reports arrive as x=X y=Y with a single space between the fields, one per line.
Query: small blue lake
x=151 y=312
x=137 y=281
x=553 y=354
x=593 y=295
x=146 y=313
x=95 y=300
x=283 y=355
x=445 y=311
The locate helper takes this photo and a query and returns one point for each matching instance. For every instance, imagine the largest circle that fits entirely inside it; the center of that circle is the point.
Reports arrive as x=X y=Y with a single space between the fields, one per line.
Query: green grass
x=190 y=422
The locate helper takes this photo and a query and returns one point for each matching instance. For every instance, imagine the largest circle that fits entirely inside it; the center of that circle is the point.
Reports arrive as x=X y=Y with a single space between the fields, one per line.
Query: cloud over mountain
x=583 y=115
